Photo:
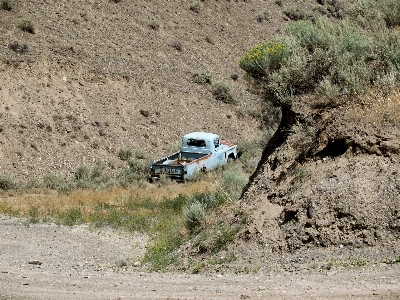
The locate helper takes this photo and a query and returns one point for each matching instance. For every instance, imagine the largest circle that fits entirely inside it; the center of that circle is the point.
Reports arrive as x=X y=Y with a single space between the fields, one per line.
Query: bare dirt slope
x=45 y=261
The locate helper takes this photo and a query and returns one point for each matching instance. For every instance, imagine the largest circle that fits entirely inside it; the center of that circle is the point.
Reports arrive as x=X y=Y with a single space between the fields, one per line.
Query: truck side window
x=216 y=142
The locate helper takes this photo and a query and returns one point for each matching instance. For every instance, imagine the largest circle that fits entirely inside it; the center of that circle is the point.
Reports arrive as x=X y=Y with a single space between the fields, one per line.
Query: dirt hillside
x=98 y=76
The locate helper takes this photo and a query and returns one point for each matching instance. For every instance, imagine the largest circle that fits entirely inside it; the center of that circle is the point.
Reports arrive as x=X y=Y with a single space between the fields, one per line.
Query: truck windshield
x=196 y=143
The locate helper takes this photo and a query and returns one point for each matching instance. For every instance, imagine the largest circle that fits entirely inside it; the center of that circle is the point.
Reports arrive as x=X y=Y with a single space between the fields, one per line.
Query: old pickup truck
x=200 y=151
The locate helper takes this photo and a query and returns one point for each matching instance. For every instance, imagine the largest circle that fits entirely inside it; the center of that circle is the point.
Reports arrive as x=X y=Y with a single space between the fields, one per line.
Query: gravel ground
x=46 y=261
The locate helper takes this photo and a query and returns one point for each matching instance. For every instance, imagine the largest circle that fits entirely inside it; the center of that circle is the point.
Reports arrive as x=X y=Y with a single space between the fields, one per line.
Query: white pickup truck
x=200 y=151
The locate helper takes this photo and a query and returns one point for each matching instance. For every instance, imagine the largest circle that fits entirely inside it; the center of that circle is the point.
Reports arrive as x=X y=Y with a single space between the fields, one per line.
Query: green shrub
x=82 y=173
x=295 y=13
x=71 y=217
x=154 y=25
x=6 y=5
x=279 y=2
x=312 y=36
x=124 y=154
x=27 y=25
x=203 y=78
x=222 y=91
x=194 y=214
x=136 y=172
x=18 y=48
x=65 y=188
x=51 y=181
x=197 y=206
x=336 y=8
x=225 y=235
x=95 y=144
x=391 y=11
x=33 y=215
x=196 y=6
x=263 y=16
x=376 y=14
x=233 y=182
x=7 y=182
x=177 y=45
x=210 y=199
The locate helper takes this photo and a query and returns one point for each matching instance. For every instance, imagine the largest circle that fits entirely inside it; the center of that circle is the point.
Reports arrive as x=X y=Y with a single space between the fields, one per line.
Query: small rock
x=136 y=264
x=144 y=113
x=121 y=263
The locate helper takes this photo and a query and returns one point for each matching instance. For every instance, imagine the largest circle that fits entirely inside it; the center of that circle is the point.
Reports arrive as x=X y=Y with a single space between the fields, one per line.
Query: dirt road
x=46 y=261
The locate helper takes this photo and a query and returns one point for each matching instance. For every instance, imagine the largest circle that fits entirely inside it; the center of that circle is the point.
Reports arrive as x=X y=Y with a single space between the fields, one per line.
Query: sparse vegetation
x=359 y=261
x=300 y=173
x=95 y=144
x=250 y=151
x=263 y=16
x=124 y=154
x=222 y=91
x=6 y=5
x=26 y=25
x=233 y=181
x=154 y=25
x=33 y=215
x=34 y=146
x=216 y=238
x=210 y=40
x=196 y=6
x=295 y=13
x=7 y=182
x=203 y=78
x=177 y=45
x=18 y=48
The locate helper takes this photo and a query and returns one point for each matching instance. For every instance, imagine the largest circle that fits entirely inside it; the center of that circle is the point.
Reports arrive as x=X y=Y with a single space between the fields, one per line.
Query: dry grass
x=52 y=203
x=376 y=108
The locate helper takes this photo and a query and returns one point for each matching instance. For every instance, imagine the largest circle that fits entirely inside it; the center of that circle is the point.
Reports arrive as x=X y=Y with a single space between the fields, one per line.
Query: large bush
x=335 y=59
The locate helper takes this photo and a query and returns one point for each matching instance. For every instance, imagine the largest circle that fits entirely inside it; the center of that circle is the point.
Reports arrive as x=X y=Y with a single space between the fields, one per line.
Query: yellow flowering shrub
x=264 y=58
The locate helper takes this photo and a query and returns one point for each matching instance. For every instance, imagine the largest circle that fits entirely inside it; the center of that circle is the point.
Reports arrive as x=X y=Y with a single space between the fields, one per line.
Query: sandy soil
x=46 y=261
